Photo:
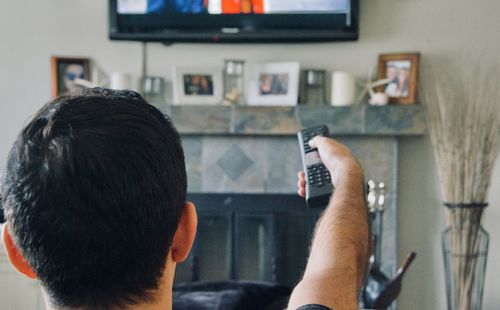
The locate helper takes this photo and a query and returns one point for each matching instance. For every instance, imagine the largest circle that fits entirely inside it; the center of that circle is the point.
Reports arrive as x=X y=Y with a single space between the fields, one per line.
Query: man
x=71 y=73
x=95 y=202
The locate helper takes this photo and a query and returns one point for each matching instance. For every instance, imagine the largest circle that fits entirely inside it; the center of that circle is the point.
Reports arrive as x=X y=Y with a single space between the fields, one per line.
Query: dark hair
x=93 y=191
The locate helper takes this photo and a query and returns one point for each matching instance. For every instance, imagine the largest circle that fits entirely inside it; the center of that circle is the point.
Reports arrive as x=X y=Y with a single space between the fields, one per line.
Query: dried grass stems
x=463 y=119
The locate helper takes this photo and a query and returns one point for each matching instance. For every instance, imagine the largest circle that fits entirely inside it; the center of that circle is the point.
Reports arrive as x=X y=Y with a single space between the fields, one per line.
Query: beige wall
x=32 y=31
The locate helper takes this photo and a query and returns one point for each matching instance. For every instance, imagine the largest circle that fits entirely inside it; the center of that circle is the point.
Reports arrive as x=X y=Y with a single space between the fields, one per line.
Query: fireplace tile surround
x=255 y=150
x=397 y=120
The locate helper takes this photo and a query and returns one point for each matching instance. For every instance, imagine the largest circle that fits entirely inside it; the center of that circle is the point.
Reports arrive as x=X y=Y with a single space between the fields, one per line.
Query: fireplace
x=267 y=165
x=260 y=237
x=242 y=165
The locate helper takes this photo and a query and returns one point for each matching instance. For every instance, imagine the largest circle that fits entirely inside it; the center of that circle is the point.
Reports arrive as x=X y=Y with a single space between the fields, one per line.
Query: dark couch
x=228 y=295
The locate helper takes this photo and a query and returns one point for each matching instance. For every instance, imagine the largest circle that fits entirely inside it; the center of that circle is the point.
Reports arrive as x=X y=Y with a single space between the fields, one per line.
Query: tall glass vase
x=465 y=250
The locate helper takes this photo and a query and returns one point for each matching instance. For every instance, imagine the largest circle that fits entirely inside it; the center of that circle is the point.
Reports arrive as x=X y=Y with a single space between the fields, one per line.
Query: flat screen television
x=266 y=21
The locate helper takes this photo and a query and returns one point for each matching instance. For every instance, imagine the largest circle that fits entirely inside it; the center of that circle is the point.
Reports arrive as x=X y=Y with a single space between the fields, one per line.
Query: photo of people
x=67 y=74
x=398 y=72
x=198 y=85
x=273 y=84
x=65 y=71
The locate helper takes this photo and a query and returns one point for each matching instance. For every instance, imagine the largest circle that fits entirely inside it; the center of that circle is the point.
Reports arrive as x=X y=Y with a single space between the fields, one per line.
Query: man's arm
x=335 y=270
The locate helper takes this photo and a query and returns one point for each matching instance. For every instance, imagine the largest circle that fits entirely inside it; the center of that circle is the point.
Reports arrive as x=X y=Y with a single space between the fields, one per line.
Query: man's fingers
x=301 y=183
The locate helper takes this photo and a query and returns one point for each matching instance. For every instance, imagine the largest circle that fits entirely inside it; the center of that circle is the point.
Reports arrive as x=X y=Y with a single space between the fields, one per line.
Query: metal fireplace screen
x=249 y=237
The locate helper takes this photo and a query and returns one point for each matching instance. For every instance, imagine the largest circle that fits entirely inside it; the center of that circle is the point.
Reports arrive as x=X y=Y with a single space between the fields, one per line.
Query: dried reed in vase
x=463 y=119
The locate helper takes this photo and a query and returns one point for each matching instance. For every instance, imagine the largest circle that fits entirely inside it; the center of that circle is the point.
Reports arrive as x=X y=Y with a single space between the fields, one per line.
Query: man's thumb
x=313 y=142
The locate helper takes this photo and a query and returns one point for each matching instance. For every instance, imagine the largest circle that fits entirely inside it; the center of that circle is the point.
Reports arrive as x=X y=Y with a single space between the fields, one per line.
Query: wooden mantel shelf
x=362 y=119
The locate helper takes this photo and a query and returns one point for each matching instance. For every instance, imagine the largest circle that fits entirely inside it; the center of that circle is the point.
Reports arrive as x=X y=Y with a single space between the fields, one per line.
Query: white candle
x=343 y=89
x=120 y=81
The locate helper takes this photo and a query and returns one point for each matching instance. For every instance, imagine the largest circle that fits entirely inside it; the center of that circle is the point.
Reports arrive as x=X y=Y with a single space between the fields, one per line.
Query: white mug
x=343 y=89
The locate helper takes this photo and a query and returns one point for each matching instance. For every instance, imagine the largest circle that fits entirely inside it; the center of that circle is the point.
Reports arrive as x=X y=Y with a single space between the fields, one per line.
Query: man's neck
x=162 y=297
x=164 y=303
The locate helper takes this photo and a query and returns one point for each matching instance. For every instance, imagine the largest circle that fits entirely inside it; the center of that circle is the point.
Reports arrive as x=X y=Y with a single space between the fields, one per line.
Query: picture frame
x=197 y=85
x=64 y=70
x=273 y=84
x=403 y=70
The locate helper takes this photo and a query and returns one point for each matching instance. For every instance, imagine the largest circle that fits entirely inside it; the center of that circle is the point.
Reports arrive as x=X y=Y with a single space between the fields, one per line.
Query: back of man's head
x=93 y=193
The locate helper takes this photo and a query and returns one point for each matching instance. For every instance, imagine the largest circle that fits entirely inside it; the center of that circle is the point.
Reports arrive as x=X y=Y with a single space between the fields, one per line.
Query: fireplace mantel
x=362 y=119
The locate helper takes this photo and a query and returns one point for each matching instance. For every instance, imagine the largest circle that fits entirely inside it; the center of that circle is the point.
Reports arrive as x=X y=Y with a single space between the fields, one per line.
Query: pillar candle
x=343 y=89
x=120 y=81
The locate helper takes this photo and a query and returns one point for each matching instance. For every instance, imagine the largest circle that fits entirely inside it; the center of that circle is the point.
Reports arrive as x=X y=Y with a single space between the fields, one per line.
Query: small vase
x=465 y=250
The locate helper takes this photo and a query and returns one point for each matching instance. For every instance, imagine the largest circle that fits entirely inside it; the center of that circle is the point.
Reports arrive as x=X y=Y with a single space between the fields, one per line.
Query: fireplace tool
x=379 y=291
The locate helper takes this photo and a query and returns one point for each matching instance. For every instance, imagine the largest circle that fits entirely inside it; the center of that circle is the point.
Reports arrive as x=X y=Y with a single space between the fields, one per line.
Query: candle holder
x=234 y=82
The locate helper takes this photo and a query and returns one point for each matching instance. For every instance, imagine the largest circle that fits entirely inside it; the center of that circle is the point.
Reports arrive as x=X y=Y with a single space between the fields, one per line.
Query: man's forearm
x=335 y=270
x=342 y=235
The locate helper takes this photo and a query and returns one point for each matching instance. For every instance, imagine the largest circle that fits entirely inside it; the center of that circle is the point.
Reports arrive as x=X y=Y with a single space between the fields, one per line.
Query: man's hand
x=337 y=158
x=335 y=269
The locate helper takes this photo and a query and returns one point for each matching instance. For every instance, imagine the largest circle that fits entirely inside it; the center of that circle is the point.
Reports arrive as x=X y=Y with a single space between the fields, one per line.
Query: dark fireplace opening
x=256 y=237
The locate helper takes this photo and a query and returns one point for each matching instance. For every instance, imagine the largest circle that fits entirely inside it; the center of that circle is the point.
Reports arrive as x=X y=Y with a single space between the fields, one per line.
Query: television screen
x=232 y=6
x=233 y=20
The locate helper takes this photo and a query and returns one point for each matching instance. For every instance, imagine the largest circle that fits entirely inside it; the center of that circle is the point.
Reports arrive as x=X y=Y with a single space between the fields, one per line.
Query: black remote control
x=319 y=185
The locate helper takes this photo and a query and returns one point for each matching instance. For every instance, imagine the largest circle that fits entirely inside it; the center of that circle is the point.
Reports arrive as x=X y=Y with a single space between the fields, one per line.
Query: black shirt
x=313 y=307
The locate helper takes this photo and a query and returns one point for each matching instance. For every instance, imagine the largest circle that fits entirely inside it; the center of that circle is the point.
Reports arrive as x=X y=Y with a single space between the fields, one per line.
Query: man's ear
x=185 y=233
x=16 y=258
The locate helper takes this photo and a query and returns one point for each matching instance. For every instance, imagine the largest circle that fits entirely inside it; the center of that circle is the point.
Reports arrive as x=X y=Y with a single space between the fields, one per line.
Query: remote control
x=319 y=185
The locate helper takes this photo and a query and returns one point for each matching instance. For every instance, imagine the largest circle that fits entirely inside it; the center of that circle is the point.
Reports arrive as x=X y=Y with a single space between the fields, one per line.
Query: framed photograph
x=402 y=70
x=65 y=71
x=273 y=84
x=195 y=85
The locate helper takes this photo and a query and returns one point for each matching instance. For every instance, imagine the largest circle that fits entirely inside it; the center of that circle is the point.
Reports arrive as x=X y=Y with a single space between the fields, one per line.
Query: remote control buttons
x=308 y=135
x=306 y=138
x=307 y=147
x=318 y=176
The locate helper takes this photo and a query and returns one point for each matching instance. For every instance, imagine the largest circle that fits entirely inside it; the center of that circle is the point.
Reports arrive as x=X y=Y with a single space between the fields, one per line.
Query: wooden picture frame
x=64 y=70
x=403 y=69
